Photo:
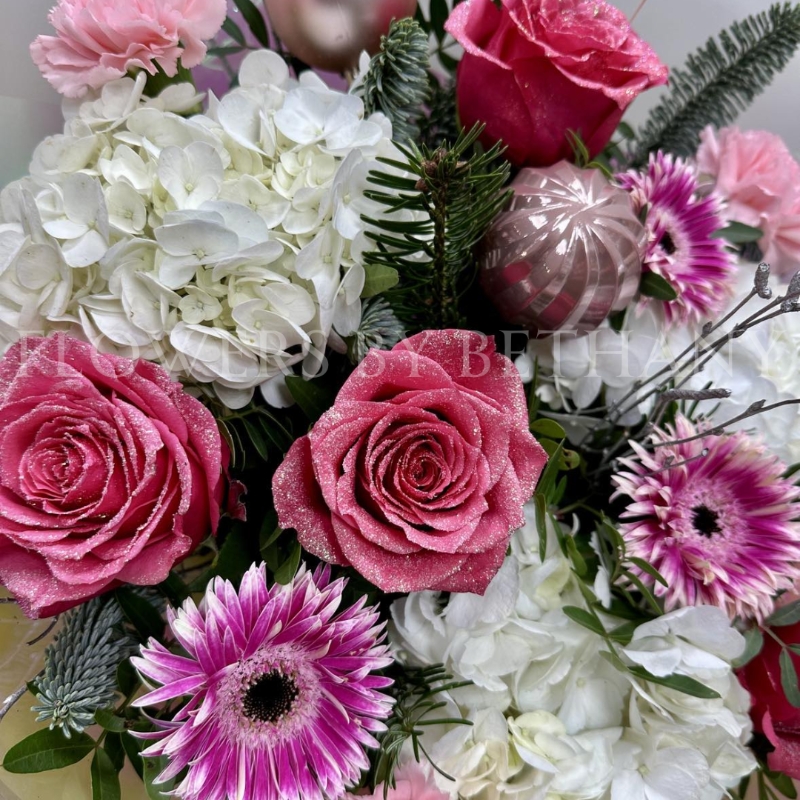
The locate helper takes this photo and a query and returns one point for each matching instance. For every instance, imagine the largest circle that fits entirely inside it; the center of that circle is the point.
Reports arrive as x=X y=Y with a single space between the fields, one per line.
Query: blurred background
x=30 y=109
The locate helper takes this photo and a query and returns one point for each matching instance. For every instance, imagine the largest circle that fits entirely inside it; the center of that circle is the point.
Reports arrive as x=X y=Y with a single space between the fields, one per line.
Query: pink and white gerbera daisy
x=680 y=223
x=282 y=701
x=714 y=516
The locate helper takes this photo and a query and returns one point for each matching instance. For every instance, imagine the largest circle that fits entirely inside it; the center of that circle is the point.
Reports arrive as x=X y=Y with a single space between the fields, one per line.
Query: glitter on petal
x=680 y=222
x=714 y=517
x=282 y=699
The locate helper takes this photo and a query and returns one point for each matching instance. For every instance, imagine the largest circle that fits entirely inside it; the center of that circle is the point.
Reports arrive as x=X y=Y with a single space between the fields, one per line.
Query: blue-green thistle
x=379 y=328
x=80 y=666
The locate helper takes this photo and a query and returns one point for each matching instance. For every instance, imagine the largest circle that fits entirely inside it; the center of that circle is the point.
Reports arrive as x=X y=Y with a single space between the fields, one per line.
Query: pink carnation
x=759 y=178
x=101 y=40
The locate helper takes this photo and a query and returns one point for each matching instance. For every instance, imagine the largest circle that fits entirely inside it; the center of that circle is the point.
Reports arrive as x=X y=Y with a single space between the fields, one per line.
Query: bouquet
x=381 y=415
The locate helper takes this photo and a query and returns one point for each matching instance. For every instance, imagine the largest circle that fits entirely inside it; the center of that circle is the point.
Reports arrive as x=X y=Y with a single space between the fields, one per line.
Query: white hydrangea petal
x=85 y=250
x=263 y=68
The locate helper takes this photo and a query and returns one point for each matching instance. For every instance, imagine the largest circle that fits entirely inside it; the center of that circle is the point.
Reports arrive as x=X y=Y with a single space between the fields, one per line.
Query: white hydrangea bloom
x=576 y=728
x=228 y=245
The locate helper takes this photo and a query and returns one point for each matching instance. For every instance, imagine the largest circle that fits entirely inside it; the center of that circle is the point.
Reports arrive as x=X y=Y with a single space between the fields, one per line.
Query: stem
x=718 y=429
x=638 y=9
x=9 y=702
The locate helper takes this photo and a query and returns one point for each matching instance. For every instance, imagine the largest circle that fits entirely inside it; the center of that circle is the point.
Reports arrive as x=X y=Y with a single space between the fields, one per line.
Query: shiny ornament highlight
x=566 y=253
x=330 y=34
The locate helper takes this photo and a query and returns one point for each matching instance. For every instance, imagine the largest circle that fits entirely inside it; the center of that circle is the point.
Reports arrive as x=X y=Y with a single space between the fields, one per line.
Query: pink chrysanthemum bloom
x=680 y=222
x=282 y=701
x=714 y=516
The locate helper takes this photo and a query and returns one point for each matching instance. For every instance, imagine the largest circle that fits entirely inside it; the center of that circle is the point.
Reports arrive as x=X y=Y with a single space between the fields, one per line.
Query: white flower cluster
x=552 y=718
x=227 y=245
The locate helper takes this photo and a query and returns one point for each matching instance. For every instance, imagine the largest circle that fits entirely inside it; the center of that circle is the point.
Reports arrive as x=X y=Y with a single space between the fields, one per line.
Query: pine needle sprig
x=417 y=692
x=396 y=82
x=441 y=123
x=720 y=80
x=454 y=197
x=80 y=666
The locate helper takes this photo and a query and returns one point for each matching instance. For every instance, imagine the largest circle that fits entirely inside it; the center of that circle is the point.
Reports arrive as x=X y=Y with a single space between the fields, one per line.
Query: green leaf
x=541 y=525
x=738 y=233
x=114 y=749
x=653 y=285
x=789 y=678
x=439 y=14
x=223 y=52
x=142 y=615
x=645 y=590
x=109 y=721
x=623 y=633
x=783 y=783
x=681 y=683
x=257 y=439
x=236 y=554
x=153 y=767
x=133 y=747
x=234 y=31
x=252 y=16
x=127 y=677
x=548 y=476
x=785 y=615
x=313 y=399
x=174 y=588
x=753 y=642
x=47 y=749
x=105 y=780
x=379 y=279
x=649 y=569
x=578 y=562
x=585 y=618
x=288 y=569
x=549 y=428
x=614 y=660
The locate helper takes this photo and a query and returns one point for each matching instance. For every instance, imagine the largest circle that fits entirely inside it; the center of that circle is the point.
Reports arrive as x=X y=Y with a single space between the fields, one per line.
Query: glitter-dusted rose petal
x=418 y=474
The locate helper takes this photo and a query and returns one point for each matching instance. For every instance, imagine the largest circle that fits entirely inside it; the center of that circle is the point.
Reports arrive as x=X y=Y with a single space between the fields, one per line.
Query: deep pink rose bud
x=110 y=473
x=535 y=69
x=418 y=473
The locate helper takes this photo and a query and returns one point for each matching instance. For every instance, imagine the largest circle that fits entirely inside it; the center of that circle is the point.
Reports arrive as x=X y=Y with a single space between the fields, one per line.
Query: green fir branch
x=80 y=666
x=454 y=196
x=441 y=123
x=720 y=81
x=396 y=82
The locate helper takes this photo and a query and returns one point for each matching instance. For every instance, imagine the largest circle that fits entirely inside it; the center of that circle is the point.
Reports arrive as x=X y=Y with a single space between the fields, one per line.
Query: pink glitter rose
x=418 y=473
x=760 y=179
x=535 y=69
x=110 y=473
x=100 y=40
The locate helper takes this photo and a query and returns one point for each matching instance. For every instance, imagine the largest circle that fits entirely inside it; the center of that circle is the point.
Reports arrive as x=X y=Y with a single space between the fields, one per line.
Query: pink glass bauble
x=566 y=253
x=330 y=34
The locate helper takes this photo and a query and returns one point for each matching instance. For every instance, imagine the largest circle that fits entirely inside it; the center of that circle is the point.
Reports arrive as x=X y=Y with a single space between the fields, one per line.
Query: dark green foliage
x=397 y=80
x=453 y=196
x=441 y=124
x=720 y=81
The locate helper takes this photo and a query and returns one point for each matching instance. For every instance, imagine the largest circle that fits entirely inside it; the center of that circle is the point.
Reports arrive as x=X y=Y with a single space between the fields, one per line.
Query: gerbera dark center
x=705 y=520
x=270 y=697
x=668 y=243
